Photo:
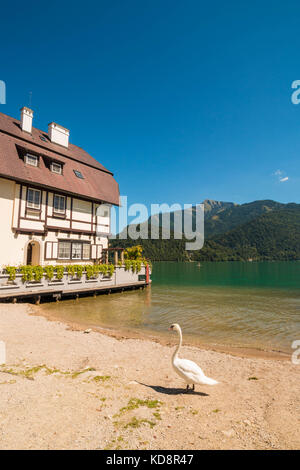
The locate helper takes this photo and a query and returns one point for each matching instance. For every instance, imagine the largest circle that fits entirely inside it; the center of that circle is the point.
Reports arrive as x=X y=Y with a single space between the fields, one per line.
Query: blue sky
x=182 y=100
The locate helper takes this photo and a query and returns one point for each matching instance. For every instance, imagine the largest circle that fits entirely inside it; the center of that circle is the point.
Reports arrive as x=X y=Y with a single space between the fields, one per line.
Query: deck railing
x=68 y=284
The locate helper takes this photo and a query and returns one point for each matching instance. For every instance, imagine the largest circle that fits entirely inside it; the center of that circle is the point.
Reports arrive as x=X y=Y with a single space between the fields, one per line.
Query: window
x=32 y=160
x=33 y=198
x=64 y=250
x=59 y=204
x=78 y=174
x=86 y=251
x=103 y=210
x=56 y=168
x=76 y=250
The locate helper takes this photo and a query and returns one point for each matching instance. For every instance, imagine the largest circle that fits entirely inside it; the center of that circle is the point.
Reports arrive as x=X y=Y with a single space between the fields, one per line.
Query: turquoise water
x=281 y=275
x=231 y=304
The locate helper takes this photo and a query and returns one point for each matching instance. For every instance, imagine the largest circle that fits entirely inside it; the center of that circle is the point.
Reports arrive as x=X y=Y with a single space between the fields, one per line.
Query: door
x=33 y=253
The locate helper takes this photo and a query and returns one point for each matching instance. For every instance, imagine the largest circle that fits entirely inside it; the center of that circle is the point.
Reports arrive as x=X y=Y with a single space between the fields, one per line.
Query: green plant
x=111 y=269
x=11 y=271
x=27 y=273
x=134 y=260
x=79 y=270
x=75 y=269
x=38 y=272
x=127 y=263
x=30 y=273
x=133 y=252
x=106 y=269
x=49 y=270
x=59 y=271
x=91 y=270
x=134 y=265
x=71 y=270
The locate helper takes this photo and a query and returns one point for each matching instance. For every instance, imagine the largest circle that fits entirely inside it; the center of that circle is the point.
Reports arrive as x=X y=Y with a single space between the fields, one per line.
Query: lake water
x=253 y=305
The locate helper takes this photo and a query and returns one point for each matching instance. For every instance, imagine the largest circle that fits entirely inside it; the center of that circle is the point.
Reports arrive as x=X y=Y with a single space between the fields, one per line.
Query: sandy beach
x=62 y=388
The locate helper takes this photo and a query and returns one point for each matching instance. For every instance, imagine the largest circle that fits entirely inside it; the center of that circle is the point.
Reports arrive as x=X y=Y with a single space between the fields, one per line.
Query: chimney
x=58 y=134
x=26 y=119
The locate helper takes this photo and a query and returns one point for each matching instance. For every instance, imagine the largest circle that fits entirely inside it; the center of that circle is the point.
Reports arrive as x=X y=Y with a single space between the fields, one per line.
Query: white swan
x=187 y=369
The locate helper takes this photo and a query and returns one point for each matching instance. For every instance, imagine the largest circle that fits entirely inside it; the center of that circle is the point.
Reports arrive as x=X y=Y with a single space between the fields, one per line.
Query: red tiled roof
x=98 y=183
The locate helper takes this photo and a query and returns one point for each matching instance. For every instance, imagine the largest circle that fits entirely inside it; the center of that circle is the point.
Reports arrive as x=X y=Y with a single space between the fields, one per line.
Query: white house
x=50 y=191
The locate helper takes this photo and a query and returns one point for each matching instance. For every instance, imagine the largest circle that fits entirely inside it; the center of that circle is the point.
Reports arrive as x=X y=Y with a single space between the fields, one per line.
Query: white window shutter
x=99 y=251
x=94 y=252
x=48 y=250
x=55 y=250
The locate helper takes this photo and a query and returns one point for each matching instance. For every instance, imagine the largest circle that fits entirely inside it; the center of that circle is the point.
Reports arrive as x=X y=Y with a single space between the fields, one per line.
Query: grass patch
x=79 y=372
x=101 y=378
x=135 y=403
x=29 y=372
x=252 y=378
x=137 y=423
x=8 y=382
x=216 y=410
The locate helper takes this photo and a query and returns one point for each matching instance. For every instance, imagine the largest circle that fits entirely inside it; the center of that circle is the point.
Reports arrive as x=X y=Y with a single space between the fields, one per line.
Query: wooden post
x=116 y=257
x=122 y=256
x=106 y=257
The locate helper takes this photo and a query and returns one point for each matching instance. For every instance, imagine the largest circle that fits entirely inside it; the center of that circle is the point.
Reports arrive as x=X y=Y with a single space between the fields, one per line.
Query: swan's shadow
x=174 y=391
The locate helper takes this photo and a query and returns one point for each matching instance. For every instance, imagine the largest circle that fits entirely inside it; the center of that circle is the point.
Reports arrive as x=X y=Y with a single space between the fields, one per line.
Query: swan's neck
x=178 y=347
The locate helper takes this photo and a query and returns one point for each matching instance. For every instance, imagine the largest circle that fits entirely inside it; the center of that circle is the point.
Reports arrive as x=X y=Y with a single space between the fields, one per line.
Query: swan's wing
x=193 y=372
x=189 y=367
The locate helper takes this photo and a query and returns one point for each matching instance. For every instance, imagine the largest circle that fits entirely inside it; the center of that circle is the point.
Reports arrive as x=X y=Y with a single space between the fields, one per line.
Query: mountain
x=231 y=217
x=274 y=235
x=212 y=210
x=258 y=230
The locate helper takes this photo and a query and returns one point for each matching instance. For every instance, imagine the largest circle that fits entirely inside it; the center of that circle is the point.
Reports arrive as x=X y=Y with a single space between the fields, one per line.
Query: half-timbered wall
x=21 y=224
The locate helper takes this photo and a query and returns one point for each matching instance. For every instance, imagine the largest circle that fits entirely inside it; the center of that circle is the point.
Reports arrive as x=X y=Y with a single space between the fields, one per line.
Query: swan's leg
x=193 y=387
x=187 y=387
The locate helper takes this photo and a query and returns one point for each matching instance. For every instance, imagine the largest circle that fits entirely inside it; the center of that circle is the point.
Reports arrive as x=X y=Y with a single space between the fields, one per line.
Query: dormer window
x=32 y=160
x=56 y=168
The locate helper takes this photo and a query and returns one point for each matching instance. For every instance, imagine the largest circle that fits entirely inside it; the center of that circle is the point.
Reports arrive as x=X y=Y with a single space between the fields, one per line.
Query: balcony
x=71 y=284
